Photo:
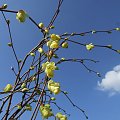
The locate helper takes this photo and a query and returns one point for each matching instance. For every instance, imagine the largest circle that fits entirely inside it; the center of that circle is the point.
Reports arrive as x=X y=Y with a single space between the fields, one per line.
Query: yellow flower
x=21 y=16
x=50 y=73
x=51 y=66
x=58 y=37
x=46 y=111
x=54 y=87
x=55 y=37
x=60 y=116
x=44 y=65
x=49 y=43
x=54 y=45
x=89 y=46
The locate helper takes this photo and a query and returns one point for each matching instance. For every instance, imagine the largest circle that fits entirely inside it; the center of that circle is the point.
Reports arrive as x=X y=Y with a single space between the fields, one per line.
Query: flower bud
x=23 y=85
x=52 y=27
x=33 y=78
x=19 y=107
x=93 y=31
x=89 y=46
x=66 y=38
x=32 y=54
x=19 y=61
x=53 y=98
x=46 y=31
x=40 y=50
x=118 y=29
x=8 y=88
x=10 y=44
x=21 y=16
x=4 y=6
x=65 y=92
x=41 y=25
x=38 y=91
x=55 y=56
x=118 y=51
x=62 y=59
x=109 y=46
x=60 y=116
x=25 y=90
x=56 y=68
x=8 y=22
x=65 y=45
x=32 y=68
x=28 y=107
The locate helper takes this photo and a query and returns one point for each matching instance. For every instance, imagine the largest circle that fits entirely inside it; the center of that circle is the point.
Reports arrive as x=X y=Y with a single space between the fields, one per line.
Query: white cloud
x=111 y=82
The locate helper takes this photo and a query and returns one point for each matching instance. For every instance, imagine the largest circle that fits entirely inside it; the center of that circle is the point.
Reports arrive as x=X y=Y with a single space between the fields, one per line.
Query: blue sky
x=75 y=16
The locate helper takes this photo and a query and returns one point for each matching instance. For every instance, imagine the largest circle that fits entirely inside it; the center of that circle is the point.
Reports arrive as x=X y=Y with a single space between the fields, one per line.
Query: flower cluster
x=49 y=68
x=46 y=111
x=59 y=116
x=54 y=41
x=21 y=16
x=54 y=87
